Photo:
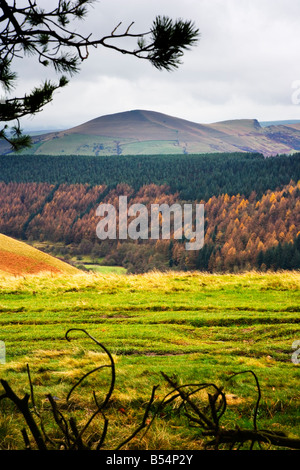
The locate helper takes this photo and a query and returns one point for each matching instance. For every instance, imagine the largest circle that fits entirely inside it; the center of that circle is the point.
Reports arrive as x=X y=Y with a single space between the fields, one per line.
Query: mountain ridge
x=144 y=132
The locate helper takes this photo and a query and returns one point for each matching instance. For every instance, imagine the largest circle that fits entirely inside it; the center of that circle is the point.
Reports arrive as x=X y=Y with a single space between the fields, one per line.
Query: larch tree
x=29 y=29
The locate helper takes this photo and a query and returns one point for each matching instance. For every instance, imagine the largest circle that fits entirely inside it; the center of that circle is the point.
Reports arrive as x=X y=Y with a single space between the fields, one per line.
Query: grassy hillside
x=18 y=258
x=143 y=132
x=200 y=327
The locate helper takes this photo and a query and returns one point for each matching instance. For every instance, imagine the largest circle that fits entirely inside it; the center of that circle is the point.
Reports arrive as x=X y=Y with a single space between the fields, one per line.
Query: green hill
x=140 y=132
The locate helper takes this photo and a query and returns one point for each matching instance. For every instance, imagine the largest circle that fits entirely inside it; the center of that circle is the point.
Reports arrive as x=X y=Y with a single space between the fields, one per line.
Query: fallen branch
x=230 y=437
x=207 y=417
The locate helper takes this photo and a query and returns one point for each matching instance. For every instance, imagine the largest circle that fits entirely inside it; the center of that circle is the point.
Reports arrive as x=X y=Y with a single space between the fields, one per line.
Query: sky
x=246 y=65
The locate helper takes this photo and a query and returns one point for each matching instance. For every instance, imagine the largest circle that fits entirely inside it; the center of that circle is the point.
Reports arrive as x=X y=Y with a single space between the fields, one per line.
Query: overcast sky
x=244 y=66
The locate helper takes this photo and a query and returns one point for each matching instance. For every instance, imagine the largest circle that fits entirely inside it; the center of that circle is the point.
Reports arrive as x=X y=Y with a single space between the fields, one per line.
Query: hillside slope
x=18 y=258
x=140 y=132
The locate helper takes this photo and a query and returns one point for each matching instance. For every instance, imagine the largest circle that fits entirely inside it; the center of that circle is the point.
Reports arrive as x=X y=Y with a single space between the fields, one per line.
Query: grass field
x=201 y=327
x=97 y=268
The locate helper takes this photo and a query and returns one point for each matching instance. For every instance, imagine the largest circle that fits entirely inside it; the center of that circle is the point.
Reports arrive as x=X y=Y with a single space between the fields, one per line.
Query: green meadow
x=195 y=326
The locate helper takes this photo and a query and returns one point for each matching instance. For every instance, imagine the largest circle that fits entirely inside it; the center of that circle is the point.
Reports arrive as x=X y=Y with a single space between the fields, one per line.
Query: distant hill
x=18 y=258
x=141 y=132
x=276 y=123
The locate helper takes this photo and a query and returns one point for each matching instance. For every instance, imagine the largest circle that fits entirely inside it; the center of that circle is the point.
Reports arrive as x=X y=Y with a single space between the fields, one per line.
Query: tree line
x=195 y=177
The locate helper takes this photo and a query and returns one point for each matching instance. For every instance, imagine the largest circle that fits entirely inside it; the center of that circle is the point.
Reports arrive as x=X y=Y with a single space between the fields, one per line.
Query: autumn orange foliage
x=238 y=228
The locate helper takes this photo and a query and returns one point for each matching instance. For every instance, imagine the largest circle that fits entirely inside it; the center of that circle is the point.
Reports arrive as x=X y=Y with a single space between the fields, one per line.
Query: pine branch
x=31 y=30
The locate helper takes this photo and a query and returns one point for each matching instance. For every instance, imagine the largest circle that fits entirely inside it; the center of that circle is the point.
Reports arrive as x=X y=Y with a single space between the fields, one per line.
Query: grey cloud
x=244 y=65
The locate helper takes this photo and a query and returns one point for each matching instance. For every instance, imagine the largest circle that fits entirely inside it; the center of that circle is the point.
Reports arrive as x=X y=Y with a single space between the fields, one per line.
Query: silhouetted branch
x=45 y=34
x=144 y=421
x=112 y=365
x=258 y=392
x=241 y=436
x=22 y=405
x=211 y=428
